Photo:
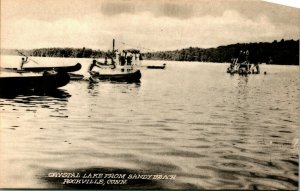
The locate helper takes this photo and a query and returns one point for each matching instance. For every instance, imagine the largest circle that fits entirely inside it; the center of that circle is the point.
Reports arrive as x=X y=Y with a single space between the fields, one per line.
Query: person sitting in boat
x=23 y=61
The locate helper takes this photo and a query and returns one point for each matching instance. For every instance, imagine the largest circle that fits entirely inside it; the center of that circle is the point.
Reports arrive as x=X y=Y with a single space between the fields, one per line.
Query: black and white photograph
x=149 y=95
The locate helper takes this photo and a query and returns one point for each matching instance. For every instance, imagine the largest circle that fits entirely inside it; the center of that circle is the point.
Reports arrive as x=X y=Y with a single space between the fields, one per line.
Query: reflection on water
x=14 y=104
x=212 y=130
x=55 y=93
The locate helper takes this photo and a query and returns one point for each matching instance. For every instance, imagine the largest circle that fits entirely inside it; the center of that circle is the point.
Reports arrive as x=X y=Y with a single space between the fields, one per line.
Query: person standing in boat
x=129 y=59
x=247 y=61
x=122 y=58
x=241 y=57
x=23 y=61
x=239 y=60
x=105 y=60
x=243 y=65
x=257 y=70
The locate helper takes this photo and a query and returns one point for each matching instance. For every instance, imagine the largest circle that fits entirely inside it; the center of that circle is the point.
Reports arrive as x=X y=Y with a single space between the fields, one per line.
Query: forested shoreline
x=282 y=52
x=285 y=52
x=58 y=52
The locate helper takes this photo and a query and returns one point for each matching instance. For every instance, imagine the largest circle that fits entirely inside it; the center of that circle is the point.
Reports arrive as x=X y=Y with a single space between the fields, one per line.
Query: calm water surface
x=212 y=130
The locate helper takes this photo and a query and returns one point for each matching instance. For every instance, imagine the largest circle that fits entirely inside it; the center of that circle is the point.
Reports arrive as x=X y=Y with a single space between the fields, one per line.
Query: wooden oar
x=27 y=57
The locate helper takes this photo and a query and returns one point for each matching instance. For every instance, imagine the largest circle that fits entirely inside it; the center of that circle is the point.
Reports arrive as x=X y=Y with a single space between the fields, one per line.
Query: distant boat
x=157 y=67
x=37 y=81
x=72 y=68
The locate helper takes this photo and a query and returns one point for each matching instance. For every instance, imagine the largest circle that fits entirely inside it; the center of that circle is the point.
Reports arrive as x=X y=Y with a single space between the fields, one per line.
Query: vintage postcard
x=161 y=94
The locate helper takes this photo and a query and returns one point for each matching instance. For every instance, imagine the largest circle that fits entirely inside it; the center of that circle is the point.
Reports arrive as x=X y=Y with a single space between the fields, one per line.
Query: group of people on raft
x=242 y=65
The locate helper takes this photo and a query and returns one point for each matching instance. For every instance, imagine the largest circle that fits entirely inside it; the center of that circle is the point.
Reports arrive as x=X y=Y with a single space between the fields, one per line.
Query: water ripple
x=212 y=130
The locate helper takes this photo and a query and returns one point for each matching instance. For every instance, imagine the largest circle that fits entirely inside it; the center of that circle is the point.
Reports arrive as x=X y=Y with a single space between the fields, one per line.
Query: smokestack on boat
x=113 y=45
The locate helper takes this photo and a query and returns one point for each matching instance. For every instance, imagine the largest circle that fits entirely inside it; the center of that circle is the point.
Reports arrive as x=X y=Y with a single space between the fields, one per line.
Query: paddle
x=94 y=77
x=27 y=57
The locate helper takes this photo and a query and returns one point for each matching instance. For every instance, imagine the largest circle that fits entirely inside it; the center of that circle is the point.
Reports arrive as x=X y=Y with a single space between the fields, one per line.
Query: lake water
x=193 y=120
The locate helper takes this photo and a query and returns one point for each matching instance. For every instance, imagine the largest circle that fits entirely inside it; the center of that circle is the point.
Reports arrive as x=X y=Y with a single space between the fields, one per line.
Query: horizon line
x=155 y=50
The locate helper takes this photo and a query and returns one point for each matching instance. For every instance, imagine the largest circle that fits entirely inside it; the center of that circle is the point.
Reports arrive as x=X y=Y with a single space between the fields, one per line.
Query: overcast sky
x=155 y=24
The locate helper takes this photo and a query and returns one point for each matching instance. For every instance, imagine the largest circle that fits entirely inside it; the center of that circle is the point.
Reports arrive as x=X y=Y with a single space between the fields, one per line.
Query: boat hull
x=121 y=77
x=44 y=81
x=73 y=68
x=156 y=67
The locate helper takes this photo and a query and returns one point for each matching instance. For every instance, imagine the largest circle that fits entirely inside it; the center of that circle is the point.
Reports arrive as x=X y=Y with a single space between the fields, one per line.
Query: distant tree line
x=64 y=52
x=68 y=52
x=283 y=52
x=59 y=52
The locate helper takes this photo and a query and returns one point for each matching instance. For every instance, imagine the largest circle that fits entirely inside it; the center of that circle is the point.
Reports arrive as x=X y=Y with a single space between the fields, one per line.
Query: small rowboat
x=157 y=67
x=129 y=76
x=73 y=68
x=37 y=81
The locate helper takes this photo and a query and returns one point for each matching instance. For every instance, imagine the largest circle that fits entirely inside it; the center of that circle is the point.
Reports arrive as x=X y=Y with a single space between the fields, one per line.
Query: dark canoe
x=73 y=68
x=132 y=76
x=40 y=81
x=157 y=67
